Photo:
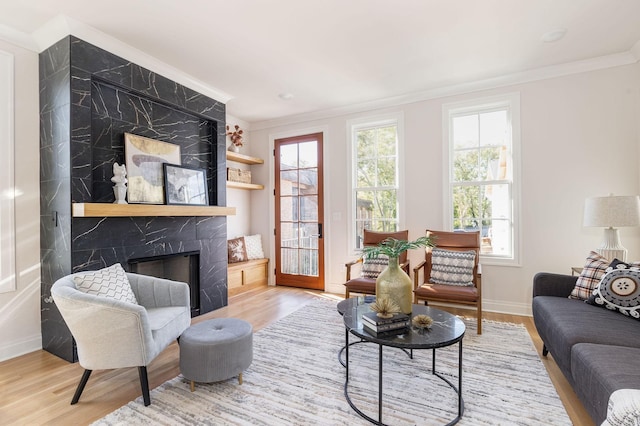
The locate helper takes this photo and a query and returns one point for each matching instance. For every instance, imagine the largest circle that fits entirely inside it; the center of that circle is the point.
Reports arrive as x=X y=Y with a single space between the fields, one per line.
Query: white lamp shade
x=612 y=211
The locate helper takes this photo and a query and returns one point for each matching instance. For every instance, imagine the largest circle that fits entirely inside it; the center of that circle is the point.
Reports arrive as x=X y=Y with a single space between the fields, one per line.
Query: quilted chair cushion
x=108 y=282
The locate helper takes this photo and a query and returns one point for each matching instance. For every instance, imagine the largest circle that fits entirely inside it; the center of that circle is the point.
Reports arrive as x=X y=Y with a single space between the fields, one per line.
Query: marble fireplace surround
x=88 y=99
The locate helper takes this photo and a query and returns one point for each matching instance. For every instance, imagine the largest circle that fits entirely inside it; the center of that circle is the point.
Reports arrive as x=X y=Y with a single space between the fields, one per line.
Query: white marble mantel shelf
x=125 y=210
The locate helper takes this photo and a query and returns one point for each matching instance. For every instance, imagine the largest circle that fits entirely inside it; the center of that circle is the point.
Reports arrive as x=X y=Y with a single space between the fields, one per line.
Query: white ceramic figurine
x=120 y=180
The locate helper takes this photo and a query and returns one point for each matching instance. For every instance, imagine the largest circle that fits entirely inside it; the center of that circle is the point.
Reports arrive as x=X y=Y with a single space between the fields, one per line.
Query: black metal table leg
x=380 y=384
x=460 y=403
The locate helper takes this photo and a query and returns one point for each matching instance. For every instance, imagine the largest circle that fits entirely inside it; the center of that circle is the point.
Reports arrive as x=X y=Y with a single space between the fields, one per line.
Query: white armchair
x=113 y=334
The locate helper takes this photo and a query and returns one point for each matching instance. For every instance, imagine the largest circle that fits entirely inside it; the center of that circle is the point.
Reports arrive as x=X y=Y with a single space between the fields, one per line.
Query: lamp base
x=611 y=247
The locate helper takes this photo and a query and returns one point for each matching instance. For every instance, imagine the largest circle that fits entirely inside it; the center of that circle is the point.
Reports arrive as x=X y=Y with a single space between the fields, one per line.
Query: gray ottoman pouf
x=216 y=350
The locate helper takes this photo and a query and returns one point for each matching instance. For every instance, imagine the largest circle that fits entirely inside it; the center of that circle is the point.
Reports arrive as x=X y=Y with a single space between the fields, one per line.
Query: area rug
x=296 y=379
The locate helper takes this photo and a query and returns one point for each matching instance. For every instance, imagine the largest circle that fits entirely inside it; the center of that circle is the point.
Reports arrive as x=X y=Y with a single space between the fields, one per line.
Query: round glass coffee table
x=446 y=330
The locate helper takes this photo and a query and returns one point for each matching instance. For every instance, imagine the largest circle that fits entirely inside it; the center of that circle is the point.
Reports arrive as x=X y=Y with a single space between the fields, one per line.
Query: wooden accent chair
x=456 y=294
x=364 y=285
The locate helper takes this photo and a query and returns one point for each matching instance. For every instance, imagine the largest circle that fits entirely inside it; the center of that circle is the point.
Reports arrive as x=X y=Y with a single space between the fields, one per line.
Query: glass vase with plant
x=393 y=282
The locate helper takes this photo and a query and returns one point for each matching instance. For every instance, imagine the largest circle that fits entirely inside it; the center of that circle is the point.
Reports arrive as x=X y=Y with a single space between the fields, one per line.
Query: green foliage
x=376 y=175
x=394 y=248
x=469 y=203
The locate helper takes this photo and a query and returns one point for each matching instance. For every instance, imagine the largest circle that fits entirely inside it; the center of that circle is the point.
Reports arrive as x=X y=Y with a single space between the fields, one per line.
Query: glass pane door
x=299 y=233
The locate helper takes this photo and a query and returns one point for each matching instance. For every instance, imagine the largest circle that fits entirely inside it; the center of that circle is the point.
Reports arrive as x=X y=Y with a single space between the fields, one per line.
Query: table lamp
x=611 y=212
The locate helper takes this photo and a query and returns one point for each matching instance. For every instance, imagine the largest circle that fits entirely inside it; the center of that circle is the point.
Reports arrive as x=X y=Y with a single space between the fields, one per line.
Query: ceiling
x=332 y=54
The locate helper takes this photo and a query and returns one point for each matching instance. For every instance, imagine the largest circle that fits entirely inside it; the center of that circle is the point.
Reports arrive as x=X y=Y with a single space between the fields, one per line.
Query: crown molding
x=18 y=38
x=62 y=26
x=544 y=73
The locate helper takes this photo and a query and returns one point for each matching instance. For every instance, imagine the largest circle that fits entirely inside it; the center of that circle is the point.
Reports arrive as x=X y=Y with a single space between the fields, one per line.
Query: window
x=375 y=148
x=482 y=143
x=7 y=246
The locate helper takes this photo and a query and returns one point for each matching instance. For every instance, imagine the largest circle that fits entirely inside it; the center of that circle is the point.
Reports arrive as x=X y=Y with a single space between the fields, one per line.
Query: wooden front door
x=299 y=212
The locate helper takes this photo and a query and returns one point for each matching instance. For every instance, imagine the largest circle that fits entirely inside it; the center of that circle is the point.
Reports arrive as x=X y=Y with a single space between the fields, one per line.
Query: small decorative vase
x=234 y=148
x=395 y=284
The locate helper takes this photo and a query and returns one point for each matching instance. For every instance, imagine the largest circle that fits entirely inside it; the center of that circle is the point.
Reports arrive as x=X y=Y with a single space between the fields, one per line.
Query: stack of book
x=377 y=326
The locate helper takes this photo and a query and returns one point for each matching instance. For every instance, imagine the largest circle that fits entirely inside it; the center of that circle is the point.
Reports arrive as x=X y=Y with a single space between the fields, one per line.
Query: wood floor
x=36 y=388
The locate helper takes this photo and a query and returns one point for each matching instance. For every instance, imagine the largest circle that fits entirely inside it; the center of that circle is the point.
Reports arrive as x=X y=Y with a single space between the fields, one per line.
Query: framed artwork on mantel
x=144 y=158
x=185 y=185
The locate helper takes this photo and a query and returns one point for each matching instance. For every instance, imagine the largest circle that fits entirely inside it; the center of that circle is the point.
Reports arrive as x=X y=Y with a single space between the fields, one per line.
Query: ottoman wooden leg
x=193 y=386
x=240 y=378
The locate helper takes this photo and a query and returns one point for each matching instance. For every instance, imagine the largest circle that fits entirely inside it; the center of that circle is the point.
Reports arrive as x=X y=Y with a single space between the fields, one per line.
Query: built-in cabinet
x=244 y=159
x=245 y=276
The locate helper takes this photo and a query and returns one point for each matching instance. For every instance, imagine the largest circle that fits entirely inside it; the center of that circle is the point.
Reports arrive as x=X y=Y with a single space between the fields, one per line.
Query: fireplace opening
x=183 y=267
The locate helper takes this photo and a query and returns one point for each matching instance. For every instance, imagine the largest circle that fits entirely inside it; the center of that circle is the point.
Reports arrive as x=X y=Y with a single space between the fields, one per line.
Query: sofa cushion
x=563 y=322
x=619 y=289
x=593 y=270
x=452 y=267
x=111 y=282
x=600 y=370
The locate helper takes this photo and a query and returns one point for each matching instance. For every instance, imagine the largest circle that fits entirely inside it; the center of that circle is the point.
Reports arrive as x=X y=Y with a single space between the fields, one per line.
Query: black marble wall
x=88 y=99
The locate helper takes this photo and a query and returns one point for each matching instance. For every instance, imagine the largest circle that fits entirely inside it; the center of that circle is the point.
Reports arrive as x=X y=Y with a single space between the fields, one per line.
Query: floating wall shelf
x=126 y=210
x=242 y=185
x=244 y=159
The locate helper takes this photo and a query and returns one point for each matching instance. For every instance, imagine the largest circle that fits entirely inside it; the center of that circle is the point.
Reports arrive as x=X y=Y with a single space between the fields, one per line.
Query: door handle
x=319 y=234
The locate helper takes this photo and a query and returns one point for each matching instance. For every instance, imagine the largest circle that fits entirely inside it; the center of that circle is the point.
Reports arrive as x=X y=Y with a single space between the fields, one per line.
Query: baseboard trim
x=20 y=347
x=496 y=306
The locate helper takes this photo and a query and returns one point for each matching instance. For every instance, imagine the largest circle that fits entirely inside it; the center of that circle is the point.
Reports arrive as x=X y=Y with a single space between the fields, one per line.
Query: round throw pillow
x=619 y=289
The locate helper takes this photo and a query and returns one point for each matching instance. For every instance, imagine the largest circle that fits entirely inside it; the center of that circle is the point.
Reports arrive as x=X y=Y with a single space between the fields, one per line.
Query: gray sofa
x=598 y=350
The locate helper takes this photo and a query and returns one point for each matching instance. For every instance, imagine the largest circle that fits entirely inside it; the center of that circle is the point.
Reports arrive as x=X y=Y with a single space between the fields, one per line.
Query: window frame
x=353 y=126
x=7 y=180
x=510 y=102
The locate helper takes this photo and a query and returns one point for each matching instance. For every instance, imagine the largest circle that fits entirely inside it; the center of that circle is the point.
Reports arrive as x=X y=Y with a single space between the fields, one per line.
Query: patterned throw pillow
x=594 y=268
x=108 y=282
x=452 y=267
x=619 y=289
x=236 y=250
x=253 y=244
x=372 y=266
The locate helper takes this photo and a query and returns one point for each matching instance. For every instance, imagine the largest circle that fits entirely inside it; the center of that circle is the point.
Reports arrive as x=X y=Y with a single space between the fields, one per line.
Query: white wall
x=579 y=139
x=20 y=309
x=240 y=224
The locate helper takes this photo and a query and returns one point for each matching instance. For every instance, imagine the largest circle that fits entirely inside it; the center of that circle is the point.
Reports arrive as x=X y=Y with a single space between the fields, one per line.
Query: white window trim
x=354 y=125
x=7 y=184
x=512 y=100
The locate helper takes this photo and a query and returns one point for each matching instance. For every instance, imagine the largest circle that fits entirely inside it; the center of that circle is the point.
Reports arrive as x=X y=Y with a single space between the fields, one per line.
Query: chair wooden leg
x=346 y=293
x=479 y=321
x=144 y=384
x=81 y=385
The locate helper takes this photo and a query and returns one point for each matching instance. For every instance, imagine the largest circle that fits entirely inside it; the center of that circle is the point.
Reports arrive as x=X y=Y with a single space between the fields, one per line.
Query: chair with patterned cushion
x=371 y=268
x=121 y=319
x=452 y=272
